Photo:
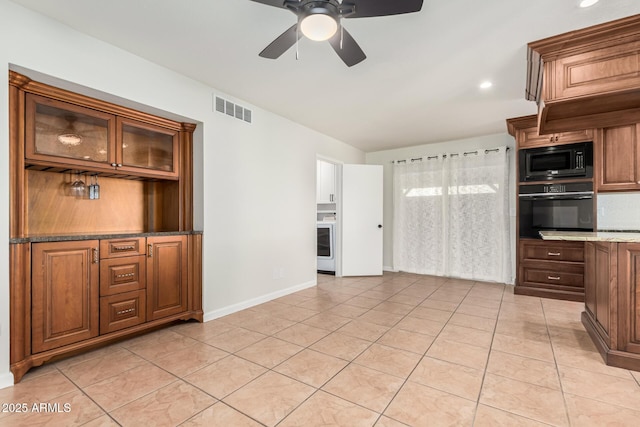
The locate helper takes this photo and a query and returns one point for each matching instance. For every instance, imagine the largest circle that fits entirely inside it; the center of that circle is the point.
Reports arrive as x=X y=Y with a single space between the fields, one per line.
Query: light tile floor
x=395 y=350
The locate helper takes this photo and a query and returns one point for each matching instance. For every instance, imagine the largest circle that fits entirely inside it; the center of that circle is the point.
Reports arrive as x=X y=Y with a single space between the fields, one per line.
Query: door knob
x=379 y=225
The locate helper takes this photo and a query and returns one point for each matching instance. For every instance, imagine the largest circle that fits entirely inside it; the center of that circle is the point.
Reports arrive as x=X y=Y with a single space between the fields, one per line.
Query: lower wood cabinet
x=612 y=301
x=166 y=276
x=64 y=293
x=551 y=269
x=68 y=296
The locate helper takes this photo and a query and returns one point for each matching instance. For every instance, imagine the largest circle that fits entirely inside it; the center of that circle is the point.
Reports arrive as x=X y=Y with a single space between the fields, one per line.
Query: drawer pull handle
x=553 y=253
x=124 y=248
x=553 y=277
x=129 y=310
x=95 y=255
x=150 y=250
x=125 y=275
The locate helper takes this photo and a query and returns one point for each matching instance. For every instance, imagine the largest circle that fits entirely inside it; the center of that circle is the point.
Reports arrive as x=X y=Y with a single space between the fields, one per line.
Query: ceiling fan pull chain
x=341 y=36
x=297 y=42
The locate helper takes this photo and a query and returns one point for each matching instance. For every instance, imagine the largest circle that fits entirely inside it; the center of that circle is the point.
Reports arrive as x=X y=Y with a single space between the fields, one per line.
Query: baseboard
x=210 y=315
x=6 y=380
x=391 y=269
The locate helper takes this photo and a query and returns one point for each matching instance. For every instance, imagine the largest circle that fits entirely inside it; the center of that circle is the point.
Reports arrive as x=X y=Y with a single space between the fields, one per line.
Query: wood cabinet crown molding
x=586 y=78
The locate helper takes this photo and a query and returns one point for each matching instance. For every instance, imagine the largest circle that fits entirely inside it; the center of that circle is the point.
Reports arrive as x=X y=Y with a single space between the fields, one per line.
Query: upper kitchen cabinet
x=146 y=148
x=64 y=129
x=588 y=78
x=525 y=131
x=66 y=133
x=326 y=182
x=618 y=158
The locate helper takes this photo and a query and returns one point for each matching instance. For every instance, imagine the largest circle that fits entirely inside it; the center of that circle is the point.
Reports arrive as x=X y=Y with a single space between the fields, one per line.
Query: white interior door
x=362 y=220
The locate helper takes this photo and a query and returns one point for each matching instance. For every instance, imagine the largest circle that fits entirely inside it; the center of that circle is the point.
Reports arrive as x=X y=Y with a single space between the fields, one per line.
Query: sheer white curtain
x=451 y=215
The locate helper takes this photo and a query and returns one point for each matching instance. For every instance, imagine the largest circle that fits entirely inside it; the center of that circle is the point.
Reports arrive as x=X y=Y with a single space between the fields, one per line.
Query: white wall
x=255 y=184
x=385 y=158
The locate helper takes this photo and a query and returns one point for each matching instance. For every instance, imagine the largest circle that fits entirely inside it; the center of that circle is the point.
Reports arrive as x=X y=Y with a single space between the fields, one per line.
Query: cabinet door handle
x=553 y=277
x=95 y=255
x=553 y=253
x=150 y=251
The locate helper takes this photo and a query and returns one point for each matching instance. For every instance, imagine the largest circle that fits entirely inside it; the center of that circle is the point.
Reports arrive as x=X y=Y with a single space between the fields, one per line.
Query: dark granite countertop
x=96 y=236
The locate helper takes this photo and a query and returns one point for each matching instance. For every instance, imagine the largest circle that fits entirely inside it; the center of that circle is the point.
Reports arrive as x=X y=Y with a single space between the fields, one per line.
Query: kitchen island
x=612 y=293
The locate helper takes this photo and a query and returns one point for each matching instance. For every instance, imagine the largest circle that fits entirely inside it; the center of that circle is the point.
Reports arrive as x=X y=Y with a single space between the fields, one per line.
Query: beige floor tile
x=103 y=421
x=389 y=360
x=524 y=399
x=311 y=367
x=475 y=322
x=537 y=349
x=190 y=359
x=99 y=368
x=225 y=376
x=487 y=416
x=589 y=361
x=327 y=410
x=359 y=328
x=341 y=346
x=389 y=422
x=418 y=405
x=168 y=406
x=328 y=321
x=202 y=331
x=346 y=310
x=466 y=335
x=525 y=369
x=235 y=339
x=303 y=335
x=292 y=299
x=439 y=305
x=128 y=386
x=394 y=307
x=443 y=294
x=269 y=398
x=376 y=294
x=406 y=299
x=269 y=352
x=431 y=314
x=64 y=364
x=422 y=326
x=318 y=304
x=407 y=340
x=365 y=387
x=592 y=413
x=267 y=324
x=381 y=318
x=449 y=377
x=479 y=300
x=363 y=302
x=156 y=349
x=41 y=388
x=71 y=409
x=296 y=314
x=605 y=388
x=220 y=414
x=459 y=353
x=474 y=310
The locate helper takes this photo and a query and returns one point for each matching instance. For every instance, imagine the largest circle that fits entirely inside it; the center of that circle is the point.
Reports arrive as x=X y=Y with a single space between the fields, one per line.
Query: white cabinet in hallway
x=326 y=182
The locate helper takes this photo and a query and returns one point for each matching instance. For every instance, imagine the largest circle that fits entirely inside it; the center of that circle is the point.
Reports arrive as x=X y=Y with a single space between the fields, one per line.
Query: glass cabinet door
x=59 y=129
x=146 y=146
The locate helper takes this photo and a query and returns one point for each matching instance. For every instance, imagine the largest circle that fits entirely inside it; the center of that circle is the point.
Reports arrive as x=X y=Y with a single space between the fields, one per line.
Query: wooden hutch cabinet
x=618 y=151
x=87 y=269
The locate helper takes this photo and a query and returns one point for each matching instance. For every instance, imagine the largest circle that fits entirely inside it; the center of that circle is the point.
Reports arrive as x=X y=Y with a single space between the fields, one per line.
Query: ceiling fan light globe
x=318 y=26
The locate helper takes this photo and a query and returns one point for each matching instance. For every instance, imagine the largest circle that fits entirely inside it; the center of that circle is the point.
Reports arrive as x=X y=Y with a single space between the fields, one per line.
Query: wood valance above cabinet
x=587 y=78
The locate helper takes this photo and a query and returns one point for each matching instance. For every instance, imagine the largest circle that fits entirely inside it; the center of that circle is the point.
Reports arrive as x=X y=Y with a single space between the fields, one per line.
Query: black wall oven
x=562 y=207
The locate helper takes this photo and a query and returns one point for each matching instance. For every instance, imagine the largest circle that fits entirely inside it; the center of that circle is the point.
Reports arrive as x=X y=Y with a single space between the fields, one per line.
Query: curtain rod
x=466 y=153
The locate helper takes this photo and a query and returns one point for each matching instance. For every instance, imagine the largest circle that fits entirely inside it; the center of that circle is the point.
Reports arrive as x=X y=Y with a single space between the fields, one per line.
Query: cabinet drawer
x=552 y=251
x=122 y=311
x=122 y=247
x=553 y=277
x=119 y=275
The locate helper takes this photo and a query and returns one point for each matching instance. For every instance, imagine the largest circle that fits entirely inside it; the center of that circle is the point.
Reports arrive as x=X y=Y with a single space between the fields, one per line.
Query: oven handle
x=566 y=196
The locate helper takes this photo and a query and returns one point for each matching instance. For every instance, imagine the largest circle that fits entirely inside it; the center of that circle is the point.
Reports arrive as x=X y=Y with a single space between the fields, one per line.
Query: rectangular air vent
x=224 y=106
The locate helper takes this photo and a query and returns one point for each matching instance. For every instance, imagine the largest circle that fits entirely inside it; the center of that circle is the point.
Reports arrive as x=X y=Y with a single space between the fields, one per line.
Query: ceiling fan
x=320 y=20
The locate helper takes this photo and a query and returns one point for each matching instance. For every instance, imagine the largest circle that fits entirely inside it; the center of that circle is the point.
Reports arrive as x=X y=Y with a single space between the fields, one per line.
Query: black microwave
x=557 y=162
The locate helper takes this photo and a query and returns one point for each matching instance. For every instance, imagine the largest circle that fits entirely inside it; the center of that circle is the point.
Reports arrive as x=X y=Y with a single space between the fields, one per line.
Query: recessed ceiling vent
x=231 y=109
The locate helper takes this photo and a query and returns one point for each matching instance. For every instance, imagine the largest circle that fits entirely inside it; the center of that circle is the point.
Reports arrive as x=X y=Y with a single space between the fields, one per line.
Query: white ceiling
x=419 y=83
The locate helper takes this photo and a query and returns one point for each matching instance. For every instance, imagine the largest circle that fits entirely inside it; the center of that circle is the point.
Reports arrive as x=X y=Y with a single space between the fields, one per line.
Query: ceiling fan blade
x=368 y=8
x=282 y=43
x=275 y=3
x=350 y=52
